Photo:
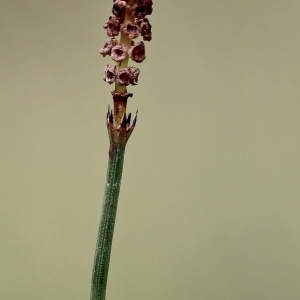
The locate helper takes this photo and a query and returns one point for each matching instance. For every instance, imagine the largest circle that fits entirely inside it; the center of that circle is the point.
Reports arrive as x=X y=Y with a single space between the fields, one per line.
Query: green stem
x=106 y=227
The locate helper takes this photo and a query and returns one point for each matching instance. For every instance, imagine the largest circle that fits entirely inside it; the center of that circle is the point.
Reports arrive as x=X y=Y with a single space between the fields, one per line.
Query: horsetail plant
x=129 y=20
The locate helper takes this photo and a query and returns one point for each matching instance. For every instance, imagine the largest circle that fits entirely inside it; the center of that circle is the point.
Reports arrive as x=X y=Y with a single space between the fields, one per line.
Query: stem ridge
x=107 y=223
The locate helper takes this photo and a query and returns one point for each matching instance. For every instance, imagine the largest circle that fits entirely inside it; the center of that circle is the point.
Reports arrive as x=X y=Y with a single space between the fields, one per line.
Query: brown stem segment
x=120 y=103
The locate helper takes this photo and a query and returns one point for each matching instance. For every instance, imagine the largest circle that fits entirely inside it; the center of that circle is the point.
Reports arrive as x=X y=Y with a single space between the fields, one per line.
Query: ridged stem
x=107 y=222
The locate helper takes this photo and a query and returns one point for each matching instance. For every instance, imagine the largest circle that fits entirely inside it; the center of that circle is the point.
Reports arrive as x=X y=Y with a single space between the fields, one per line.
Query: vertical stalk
x=106 y=227
x=129 y=20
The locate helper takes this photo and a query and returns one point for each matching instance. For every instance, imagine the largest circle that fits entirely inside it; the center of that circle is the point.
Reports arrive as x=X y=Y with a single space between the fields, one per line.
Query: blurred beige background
x=209 y=206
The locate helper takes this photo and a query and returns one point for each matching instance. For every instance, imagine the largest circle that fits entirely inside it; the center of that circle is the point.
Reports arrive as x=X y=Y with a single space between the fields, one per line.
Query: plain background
x=210 y=199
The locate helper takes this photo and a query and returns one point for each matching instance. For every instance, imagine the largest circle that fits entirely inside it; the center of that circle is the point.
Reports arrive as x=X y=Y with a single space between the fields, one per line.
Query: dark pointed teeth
x=128 y=119
x=124 y=121
x=111 y=117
